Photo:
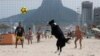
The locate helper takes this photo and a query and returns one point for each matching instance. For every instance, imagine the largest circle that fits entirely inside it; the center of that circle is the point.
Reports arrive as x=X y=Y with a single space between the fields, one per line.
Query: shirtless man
x=78 y=36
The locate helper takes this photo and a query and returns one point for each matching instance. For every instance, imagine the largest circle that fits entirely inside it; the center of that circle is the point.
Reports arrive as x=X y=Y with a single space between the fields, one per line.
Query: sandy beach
x=47 y=47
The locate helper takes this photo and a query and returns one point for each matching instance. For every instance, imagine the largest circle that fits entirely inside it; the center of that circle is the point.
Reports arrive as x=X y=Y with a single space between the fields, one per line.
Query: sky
x=12 y=7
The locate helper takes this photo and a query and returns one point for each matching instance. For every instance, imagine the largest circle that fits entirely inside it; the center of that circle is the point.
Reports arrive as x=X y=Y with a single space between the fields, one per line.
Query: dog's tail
x=67 y=40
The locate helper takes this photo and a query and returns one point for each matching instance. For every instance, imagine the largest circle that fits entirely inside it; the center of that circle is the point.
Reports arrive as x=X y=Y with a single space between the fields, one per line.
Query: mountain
x=49 y=9
x=53 y=9
x=17 y=18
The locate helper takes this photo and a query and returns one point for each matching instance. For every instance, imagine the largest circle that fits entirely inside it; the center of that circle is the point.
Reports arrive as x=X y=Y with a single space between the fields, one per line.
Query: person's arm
x=82 y=33
x=23 y=31
x=16 y=31
x=75 y=33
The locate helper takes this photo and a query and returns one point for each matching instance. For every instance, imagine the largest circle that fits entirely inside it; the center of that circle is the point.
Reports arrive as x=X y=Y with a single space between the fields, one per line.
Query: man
x=19 y=32
x=78 y=35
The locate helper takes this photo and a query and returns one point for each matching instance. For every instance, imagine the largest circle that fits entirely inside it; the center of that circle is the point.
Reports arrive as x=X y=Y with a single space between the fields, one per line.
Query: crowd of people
x=20 y=32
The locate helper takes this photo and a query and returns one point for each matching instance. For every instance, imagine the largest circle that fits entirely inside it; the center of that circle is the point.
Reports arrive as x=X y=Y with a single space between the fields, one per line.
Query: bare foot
x=16 y=47
x=80 y=47
x=75 y=47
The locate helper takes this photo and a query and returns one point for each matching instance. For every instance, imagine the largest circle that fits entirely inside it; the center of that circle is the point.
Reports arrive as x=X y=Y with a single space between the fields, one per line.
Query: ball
x=23 y=10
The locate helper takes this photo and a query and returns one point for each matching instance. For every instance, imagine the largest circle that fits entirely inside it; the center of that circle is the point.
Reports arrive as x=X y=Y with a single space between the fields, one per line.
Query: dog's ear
x=51 y=22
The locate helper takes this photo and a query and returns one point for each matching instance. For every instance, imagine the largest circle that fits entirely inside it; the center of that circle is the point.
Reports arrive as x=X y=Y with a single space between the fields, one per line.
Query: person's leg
x=45 y=36
x=39 y=39
x=31 y=41
x=16 y=42
x=75 y=42
x=80 y=42
x=28 y=41
x=22 y=41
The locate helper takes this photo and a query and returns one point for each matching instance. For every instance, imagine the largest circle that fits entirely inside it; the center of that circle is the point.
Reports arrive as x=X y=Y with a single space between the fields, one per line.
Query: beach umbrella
x=96 y=29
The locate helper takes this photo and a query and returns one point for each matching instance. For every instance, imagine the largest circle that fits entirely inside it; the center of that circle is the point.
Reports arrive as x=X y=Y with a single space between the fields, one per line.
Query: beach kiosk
x=6 y=38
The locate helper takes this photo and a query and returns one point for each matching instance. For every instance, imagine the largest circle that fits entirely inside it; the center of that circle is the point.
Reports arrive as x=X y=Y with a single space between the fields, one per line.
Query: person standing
x=38 y=34
x=19 y=32
x=38 y=37
x=30 y=37
x=78 y=36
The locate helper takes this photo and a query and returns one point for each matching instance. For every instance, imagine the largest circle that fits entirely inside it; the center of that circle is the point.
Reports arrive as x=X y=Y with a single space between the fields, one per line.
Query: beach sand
x=47 y=47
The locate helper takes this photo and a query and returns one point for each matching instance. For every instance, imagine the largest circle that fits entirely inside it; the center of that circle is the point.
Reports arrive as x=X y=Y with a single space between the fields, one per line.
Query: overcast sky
x=12 y=7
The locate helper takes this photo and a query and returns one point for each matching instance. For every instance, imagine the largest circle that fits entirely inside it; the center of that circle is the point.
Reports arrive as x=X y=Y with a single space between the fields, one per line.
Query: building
x=96 y=19
x=87 y=13
x=87 y=17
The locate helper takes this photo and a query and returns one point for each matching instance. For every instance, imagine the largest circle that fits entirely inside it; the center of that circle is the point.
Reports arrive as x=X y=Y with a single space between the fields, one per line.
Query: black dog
x=57 y=32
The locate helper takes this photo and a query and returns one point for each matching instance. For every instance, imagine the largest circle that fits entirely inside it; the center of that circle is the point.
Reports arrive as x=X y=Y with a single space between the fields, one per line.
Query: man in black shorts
x=19 y=32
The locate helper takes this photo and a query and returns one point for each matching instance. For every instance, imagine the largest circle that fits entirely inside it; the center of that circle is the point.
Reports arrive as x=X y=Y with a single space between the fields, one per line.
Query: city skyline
x=12 y=7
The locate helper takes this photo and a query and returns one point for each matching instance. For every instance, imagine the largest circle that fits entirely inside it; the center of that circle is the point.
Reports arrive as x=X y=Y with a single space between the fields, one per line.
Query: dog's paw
x=55 y=52
x=59 y=54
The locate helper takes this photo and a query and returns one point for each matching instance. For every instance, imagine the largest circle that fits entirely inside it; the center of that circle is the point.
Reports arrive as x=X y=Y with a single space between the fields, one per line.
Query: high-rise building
x=87 y=13
x=96 y=19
